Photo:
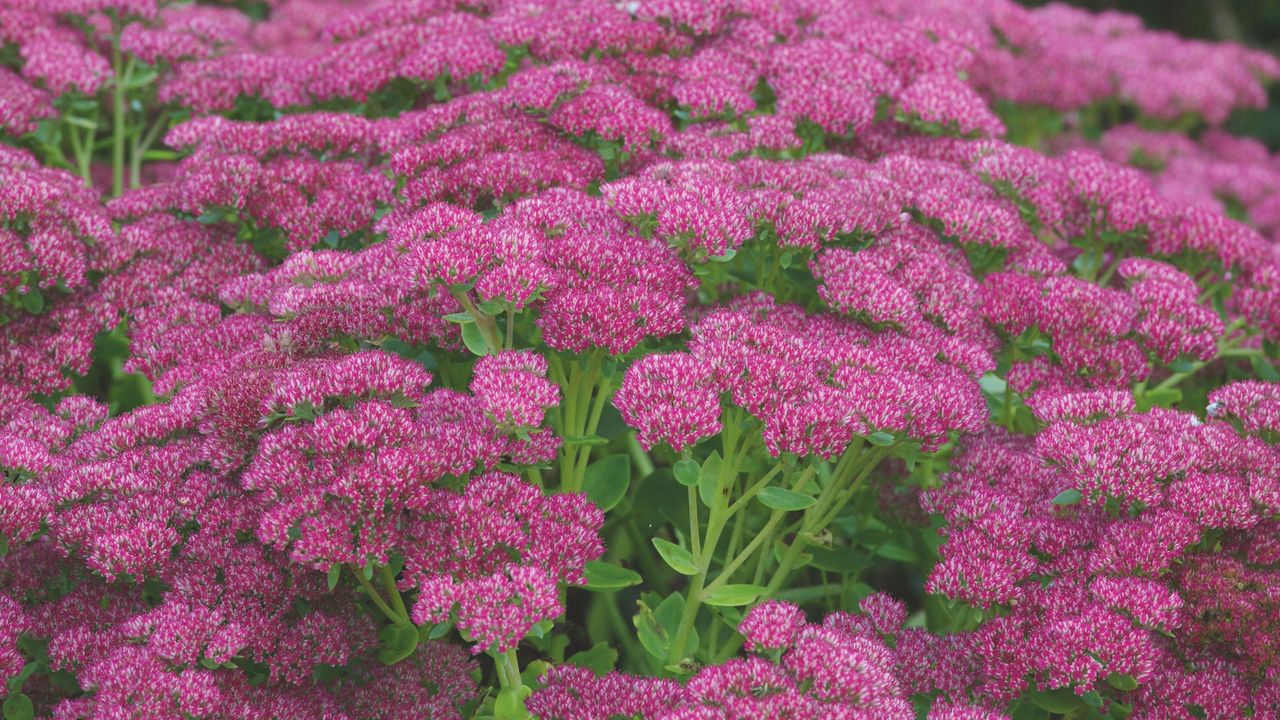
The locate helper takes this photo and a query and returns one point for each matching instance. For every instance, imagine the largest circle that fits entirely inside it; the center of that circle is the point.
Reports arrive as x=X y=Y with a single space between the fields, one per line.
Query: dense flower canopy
x=665 y=359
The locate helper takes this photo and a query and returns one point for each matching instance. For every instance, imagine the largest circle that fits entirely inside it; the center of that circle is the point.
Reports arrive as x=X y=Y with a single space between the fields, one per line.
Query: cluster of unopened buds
x=582 y=360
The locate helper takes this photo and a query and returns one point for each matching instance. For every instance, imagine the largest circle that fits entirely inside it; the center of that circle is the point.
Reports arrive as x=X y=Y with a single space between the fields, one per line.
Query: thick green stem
x=754 y=490
x=120 y=108
x=586 y=391
x=830 y=502
x=485 y=322
x=389 y=582
x=761 y=537
x=82 y=147
x=639 y=458
x=716 y=521
x=377 y=600
x=1226 y=348
x=695 y=532
x=508 y=669
x=141 y=144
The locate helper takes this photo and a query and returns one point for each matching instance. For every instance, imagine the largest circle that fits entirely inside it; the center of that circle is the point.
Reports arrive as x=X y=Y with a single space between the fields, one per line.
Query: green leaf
x=687 y=472
x=1122 y=682
x=733 y=595
x=650 y=632
x=509 y=704
x=678 y=558
x=783 y=499
x=33 y=301
x=599 y=659
x=80 y=122
x=15 y=683
x=894 y=551
x=910 y=453
x=710 y=479
x=880 y=438
x=492 y=307
x=436 y=631
x=669 y=613
x=1070 y=496
x=398 y=643
x=1025 y=709
x=1263 y=368
x=335 y=573
x=585 y=440
x=1163 y=397
x=602 y=576
x=461 y=318
x=18 y=707
x=540 y=629
x=728 y=255
x=1120 y=711
x=838 y=559
x=606 y=481
x=473 y=338
x=1061 y=700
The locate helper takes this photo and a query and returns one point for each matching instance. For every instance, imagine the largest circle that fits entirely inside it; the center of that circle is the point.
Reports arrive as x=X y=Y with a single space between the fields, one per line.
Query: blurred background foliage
x=1252 y=22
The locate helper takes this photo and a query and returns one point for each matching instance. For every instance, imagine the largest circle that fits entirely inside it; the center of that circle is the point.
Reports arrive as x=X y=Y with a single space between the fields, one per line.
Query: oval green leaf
x=398 y=643
x=687 y=472
x=19 y=707
x=603 y=576
x=880 y=438
x=1122 y=682
x=733 y=595
x=783 y=499
x=676 y=557
x=606 y=481
x=1070 y=496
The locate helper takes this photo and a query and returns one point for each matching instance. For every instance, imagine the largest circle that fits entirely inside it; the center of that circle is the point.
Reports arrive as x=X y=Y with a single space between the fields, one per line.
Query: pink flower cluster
x=1120 y=544
x=814 y=382
x=402 y=260
x=852 y=665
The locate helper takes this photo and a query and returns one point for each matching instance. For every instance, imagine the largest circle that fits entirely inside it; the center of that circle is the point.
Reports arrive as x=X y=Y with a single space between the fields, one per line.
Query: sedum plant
x=584 y=360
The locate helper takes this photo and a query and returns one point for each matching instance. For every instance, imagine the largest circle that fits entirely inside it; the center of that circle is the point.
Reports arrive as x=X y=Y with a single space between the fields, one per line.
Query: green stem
x=507 y=667
x=82 y=148
x=603 y=391
x=389 y=582
x=695 y=532
x=1242 y=352
x=120 y=108
x=639 y=458
x=832 y=500
x=377 y=600
x=754 y=490
x=621 y=631
x=692 y=603
x=843 y=497
x=1110 y=272
x=716 y=521
x=484 y=321
x=1226 y=348
x=140 y=146
x=766 y=533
